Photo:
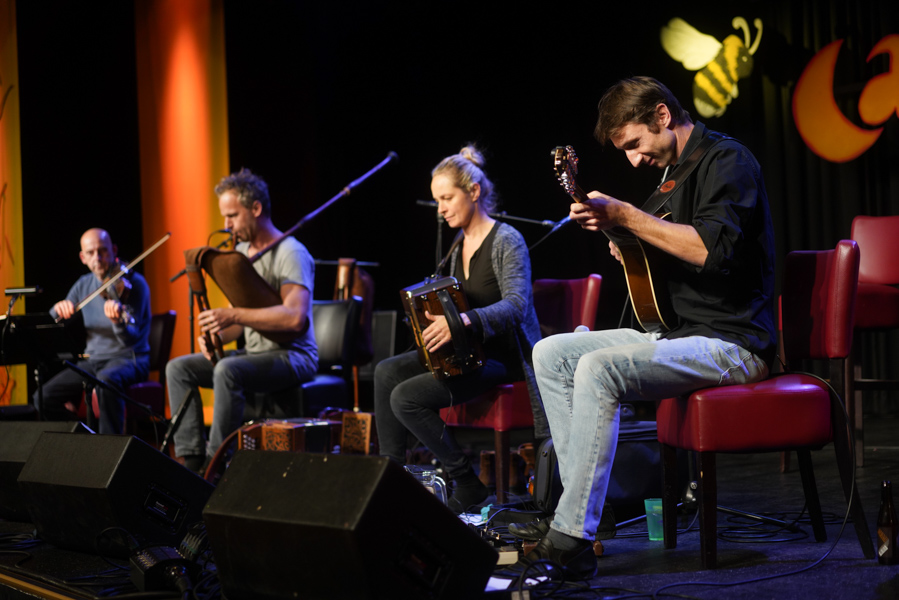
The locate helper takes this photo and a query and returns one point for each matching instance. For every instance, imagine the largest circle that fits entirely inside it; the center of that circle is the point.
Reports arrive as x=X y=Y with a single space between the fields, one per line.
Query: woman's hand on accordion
x=438 y=332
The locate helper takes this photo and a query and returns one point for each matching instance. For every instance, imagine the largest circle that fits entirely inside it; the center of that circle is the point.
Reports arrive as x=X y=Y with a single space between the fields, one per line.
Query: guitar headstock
x=565 y=163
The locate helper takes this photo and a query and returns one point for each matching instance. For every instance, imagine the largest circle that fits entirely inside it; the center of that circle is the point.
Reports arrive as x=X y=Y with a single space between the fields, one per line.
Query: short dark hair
x=249 y=188
x=635 y=100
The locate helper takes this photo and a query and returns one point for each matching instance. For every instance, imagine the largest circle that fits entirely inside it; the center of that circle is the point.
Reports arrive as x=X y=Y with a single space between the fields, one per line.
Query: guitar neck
x=619 y=235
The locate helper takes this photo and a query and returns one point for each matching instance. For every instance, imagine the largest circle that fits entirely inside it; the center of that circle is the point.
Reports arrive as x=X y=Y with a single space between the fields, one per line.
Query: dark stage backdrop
x=319 y=92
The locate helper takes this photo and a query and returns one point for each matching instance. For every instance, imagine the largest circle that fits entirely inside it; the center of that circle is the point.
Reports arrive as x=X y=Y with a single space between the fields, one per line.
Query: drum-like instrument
x=442 y=297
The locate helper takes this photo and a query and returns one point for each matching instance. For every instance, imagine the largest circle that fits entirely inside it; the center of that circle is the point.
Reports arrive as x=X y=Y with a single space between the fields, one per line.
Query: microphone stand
x=501 y=216
x=555 y=227
x=87 y=377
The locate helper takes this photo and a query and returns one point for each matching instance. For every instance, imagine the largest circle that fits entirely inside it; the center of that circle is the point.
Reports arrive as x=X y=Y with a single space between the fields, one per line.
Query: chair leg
x=669 y=495
x=854 y=402
x=846 y=467
x=708 y=510
x=810 y=488
x=501 y=441
x=785 y=461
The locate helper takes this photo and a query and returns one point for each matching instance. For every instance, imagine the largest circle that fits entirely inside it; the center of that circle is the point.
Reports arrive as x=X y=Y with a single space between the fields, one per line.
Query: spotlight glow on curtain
x=13 y=382
x=183 y=140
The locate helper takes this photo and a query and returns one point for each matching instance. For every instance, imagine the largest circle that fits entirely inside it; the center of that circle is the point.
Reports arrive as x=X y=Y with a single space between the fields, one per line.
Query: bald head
x=97 y=251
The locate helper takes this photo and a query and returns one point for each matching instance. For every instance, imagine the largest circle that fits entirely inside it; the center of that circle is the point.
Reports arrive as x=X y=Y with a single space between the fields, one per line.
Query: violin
x=119 y=290
x=116 y=280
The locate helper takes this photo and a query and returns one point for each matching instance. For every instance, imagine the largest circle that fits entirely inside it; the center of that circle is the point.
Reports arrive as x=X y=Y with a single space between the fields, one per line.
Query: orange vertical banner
x=13 y=382
x=183 y=140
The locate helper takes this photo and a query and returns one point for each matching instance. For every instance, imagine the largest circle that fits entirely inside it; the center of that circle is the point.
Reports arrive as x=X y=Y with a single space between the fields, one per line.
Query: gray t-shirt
x=288 y=262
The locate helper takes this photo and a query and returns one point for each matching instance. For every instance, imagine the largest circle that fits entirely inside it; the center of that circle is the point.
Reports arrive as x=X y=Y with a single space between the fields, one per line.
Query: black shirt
x=731 y=297
x=482 y=289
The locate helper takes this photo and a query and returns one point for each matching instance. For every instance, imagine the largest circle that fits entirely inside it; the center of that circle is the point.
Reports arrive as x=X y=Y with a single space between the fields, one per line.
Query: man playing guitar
x=720 y=280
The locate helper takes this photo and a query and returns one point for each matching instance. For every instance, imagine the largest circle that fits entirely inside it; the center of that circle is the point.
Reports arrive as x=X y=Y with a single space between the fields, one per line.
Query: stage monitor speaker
x=17 y=440
x=291 y=526
x=108 y=494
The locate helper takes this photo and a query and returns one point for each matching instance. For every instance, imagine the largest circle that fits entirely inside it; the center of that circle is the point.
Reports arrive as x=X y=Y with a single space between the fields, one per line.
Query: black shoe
x=577 y=564
x=532 y=530
x=468 y=497
x=195 y=462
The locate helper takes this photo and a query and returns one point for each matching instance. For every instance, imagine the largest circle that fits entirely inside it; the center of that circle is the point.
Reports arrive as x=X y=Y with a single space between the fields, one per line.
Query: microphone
x=560 y=223
x=23 y=291
x=230 y=242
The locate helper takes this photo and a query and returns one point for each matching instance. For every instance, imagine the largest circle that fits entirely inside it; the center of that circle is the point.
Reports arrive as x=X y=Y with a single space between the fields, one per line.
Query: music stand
x=35 y=339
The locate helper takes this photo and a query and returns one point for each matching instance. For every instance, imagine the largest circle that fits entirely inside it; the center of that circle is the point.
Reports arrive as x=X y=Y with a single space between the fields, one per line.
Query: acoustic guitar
x=644 y=264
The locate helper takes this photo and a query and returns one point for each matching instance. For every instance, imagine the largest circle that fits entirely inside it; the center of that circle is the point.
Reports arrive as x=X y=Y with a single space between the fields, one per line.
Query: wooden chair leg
x=501 y=441
x=669 y=495
x=810 y=488
x=708 y=510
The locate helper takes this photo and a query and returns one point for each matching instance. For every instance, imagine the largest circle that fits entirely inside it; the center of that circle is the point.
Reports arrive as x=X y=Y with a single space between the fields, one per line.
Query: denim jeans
x=231 y=379
x=408 y=399
x=583 y=379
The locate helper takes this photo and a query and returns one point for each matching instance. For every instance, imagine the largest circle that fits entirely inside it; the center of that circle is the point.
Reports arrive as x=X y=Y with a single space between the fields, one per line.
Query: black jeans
x=66 y=386
x=408 y=399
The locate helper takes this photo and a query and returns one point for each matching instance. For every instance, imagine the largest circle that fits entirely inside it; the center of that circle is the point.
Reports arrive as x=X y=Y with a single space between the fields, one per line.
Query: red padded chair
x=561 y=305
x=877 y=307
x=784 y=412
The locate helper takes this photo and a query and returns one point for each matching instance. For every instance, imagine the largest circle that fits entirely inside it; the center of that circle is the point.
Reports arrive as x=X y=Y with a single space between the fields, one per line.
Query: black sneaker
x=532 y=530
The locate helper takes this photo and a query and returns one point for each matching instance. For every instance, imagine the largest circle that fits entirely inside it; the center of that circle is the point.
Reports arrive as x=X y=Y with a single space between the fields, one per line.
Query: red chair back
x=818 y=302
x=563 y=304
x=878 y=238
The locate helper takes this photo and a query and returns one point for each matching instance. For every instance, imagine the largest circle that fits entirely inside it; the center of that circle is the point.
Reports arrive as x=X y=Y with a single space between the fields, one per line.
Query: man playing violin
x=262 y=365
x=118 y=332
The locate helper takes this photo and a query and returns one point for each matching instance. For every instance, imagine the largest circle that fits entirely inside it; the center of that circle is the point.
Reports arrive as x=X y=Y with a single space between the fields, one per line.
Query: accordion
x=442 y=297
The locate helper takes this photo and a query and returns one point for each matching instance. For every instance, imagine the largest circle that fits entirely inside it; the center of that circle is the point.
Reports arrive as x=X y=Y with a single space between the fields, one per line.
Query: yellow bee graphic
x=720 y=64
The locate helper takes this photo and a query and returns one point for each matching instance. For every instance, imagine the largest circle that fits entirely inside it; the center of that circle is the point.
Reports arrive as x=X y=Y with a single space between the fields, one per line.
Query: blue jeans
x=67 y=386
x=583 y=379
x=231 y=379
x=408 y=399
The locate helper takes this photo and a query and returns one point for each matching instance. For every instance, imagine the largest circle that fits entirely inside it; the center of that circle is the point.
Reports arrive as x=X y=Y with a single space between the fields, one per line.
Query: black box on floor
x=285 y=525
x=107 y=493
x=17 y=440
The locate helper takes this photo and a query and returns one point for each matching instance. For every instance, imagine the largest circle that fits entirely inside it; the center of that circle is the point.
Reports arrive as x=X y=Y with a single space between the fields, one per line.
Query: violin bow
x=122 y=270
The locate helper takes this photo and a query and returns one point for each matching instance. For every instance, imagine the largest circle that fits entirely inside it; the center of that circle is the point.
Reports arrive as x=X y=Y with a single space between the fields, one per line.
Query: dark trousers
x=119 y=372
x=408 y=399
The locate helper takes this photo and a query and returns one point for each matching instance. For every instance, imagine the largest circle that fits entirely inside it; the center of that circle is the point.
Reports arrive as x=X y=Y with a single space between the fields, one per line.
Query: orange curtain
x=13 y=382
x=183 y=140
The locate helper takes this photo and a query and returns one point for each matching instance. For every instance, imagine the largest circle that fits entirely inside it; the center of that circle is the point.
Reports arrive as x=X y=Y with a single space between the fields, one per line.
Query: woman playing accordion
x=493 y=265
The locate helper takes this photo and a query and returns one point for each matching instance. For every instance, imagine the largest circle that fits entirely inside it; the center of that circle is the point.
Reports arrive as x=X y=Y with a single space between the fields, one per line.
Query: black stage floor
x=782 y=566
